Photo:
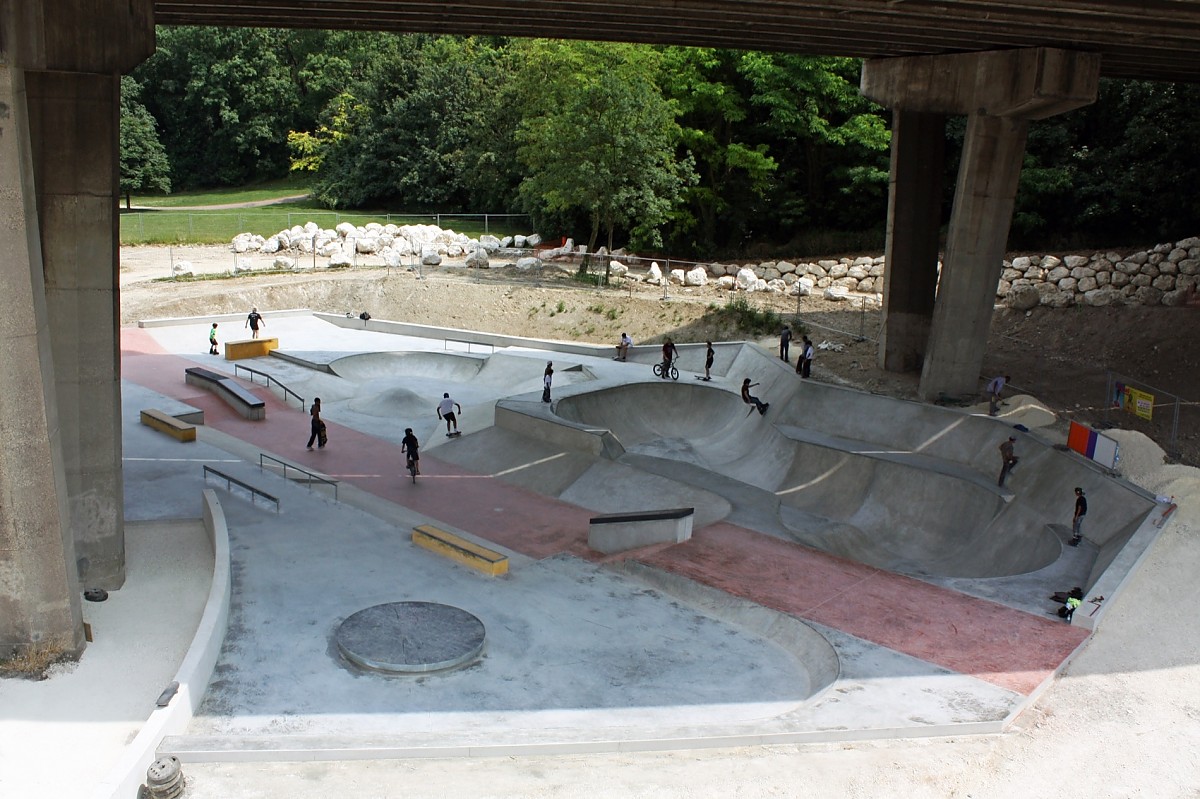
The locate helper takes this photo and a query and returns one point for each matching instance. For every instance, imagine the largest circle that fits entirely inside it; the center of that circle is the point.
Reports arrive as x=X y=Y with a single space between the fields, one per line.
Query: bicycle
x=412 y=469
x=666 y=369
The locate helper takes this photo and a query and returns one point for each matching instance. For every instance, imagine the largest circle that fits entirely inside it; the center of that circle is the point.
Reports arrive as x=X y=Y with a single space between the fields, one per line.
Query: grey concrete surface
x=579 y=657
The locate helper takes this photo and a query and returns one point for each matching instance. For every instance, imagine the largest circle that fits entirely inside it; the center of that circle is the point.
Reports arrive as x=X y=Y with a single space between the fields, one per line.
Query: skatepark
x=853 y=571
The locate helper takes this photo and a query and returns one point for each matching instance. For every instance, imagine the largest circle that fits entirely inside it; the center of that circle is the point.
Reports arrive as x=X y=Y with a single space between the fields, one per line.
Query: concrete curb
x=124 y=779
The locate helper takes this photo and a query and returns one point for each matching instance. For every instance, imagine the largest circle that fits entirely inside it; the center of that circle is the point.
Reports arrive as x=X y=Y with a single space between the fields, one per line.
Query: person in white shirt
x=623 y=347
x=994 y=387
x=445 y=410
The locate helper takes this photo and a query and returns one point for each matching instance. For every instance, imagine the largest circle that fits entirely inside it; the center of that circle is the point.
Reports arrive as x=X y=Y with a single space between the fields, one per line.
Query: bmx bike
x=666 y=369
x=412 y=469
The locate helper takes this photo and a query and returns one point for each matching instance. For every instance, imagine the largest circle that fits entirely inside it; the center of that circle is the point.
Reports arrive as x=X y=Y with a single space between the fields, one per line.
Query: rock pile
x=391 y=243
x=1164 y=275
x=1167 y=274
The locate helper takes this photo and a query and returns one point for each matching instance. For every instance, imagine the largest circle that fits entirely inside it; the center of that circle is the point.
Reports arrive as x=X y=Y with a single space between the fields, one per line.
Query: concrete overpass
x=1000 y=63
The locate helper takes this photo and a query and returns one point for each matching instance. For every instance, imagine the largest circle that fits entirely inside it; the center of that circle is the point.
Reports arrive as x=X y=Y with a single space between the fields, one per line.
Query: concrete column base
x=74 y=124
x=39 y=593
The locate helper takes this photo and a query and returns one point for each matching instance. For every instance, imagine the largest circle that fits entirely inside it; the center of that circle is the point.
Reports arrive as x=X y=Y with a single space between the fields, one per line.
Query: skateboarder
x=804 y=362
x=547 y=379
x=445 y=410
x=749 y=398
x=212 y=340
x=1077 y=519
x=709 y=354
x=316 y=426
x=1008 y=458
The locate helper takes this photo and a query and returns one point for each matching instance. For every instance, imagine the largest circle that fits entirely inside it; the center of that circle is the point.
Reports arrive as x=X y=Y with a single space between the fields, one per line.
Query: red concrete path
x=1006 y=647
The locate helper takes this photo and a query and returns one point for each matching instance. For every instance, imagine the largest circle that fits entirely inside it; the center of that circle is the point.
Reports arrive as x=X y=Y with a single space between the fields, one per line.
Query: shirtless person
x=669 y=356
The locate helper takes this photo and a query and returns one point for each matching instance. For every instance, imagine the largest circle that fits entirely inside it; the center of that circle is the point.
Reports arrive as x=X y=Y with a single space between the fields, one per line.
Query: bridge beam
x=999 y=92
x=60 y=474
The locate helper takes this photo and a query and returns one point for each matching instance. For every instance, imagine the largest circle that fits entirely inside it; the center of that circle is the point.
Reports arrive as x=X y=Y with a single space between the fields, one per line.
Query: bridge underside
x=1148 y=39
x=61 y=521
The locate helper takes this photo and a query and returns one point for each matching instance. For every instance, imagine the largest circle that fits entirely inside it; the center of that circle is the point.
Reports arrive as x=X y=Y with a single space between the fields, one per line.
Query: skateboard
x=322 y=436
x=705 y=379
x=455 y=434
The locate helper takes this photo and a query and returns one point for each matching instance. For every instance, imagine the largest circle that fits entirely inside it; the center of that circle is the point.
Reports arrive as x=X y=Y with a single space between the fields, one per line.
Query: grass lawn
x=162 y=225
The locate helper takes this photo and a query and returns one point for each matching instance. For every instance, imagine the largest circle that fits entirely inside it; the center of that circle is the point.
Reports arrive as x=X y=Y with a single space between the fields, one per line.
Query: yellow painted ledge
x=460 y=550
x=164 y=423
x=251 y=348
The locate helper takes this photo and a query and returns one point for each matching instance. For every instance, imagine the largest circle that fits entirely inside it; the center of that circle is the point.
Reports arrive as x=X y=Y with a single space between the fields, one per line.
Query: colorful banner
x=1102 y=449
x=1139 y=403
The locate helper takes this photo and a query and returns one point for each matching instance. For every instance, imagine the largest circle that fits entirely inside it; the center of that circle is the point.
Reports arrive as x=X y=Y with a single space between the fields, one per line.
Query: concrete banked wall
x=894 y=484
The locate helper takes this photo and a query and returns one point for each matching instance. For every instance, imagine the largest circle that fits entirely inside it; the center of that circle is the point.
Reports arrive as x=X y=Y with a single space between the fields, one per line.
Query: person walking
x=253 y=321
x=1008 y=458
x=212 y=340
x=410 y=447
x=804 y=362
x=750 y=399
x=1077 y=519
x=785 y=339
x=316 y=426
x=445 y=410
x=547 y=379
x=709 y=354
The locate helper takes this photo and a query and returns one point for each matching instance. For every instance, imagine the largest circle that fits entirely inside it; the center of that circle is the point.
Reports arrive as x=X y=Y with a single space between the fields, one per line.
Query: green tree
x=833 y=140
x=408 y=135
x=735 y=172
x=144 y=164
x=225 y=99
x=599 y=138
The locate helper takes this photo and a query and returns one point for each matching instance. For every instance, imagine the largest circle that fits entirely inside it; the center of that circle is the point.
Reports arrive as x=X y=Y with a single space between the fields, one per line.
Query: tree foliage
x=599 y=138
x=144 y=165
x=708 y=151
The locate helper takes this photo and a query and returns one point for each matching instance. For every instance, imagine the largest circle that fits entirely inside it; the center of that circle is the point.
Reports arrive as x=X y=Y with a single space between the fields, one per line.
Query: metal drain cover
x=410 y=637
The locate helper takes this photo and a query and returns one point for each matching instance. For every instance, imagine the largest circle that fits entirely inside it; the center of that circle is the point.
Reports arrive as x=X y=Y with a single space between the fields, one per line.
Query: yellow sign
x=1139 y=403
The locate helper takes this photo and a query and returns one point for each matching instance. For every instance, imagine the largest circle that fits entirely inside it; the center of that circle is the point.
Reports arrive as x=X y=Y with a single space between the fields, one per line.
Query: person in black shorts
x=410 y=446
x=709 y=354
x=253 y=321
x=445 y=410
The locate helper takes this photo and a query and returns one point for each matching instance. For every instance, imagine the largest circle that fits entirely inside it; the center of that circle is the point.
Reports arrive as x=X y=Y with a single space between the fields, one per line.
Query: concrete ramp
x=901 y=518
x=455 y=368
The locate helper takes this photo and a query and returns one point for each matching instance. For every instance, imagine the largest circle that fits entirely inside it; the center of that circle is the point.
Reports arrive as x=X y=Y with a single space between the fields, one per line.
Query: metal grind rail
x=231 y=481
x=269 y=380
x=311 y=476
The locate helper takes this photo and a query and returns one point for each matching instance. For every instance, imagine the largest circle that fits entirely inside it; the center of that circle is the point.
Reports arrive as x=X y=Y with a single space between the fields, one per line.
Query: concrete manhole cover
x=410 y=637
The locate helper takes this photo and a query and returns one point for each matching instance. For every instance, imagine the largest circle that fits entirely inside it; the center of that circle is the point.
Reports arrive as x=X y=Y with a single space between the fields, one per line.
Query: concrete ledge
x=123 y=781
x=250 y=348
x=460 y=550
x=619 y=532
x=241 y=400
x=225 y=317
x=156 y=419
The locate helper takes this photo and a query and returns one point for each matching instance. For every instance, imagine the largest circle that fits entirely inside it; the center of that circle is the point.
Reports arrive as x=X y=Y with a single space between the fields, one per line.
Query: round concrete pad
x=410 y=637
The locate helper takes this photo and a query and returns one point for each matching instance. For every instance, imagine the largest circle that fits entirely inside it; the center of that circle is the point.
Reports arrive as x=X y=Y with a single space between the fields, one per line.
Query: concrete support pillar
x=999 y=92
x=988 y=174
x=39 y=593
x=69 y=53
x=913 y=225
x=74 y=124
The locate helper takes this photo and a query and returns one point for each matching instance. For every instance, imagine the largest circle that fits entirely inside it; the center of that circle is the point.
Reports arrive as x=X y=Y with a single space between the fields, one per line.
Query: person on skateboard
x=445 y=410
